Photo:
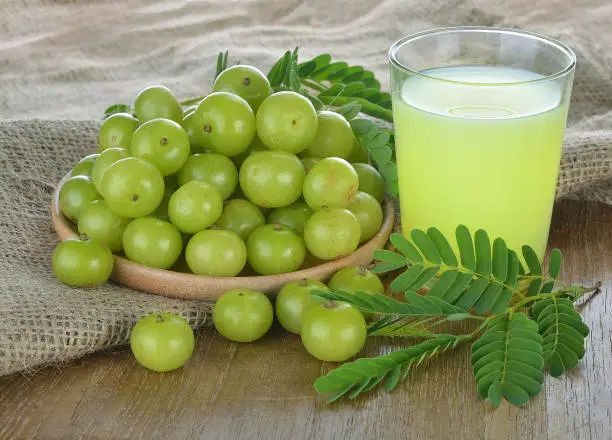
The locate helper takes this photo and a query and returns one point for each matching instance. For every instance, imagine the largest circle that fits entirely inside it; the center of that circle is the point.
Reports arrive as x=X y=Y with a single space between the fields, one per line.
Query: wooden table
x=264 y=390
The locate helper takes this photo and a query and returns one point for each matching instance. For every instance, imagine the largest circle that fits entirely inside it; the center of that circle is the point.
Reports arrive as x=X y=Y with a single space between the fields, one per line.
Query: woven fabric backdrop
x=63 y=62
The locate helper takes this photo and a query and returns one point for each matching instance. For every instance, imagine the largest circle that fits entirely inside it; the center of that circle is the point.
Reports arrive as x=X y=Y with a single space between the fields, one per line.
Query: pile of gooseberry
x=244 y=181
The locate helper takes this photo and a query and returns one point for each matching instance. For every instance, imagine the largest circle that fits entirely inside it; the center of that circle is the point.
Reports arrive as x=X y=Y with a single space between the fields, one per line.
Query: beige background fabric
x=63 y=62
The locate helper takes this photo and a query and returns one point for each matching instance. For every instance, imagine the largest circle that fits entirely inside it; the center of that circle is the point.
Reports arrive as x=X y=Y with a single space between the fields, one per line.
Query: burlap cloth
x=63 y=62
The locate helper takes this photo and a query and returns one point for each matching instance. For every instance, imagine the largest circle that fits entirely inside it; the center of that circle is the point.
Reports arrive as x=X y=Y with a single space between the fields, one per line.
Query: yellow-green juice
x=472 y=151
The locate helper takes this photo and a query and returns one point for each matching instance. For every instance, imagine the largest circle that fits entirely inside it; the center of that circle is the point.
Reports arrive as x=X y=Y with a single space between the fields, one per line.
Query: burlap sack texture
x=43 y=322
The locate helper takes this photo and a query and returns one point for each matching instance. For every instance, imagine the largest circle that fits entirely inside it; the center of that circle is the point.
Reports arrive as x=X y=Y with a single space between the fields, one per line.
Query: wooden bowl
x=189 y=286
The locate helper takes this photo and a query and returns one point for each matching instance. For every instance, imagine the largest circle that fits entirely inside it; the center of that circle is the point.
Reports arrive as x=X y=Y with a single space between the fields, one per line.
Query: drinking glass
x=479 y=116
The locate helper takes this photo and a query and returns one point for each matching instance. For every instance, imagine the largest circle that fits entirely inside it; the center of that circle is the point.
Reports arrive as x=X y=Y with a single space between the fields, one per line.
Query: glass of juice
x=479 y=116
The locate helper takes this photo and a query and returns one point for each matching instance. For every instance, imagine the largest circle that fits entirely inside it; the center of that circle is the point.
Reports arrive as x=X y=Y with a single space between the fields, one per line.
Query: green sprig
x=347 y=89
x=379 y=145
x=340 y=78
x=221 y=63
x=523 y=330
x=358 y=377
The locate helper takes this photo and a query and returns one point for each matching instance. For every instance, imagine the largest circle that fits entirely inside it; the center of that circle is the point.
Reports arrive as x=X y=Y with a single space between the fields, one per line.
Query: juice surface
x=477 y=154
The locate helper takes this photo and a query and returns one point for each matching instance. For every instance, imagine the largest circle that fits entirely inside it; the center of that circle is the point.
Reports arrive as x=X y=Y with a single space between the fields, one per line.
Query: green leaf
x=372 y=383
x=369 y=93
x=443 y=247
x=513 y=267
x=308 y=67
x=403 y=281
x=563 y=333
x=495 y=393
x=403 y=328
x=483 y=252
x=291 y=79
x=333 y=91
x=372 y=83
x=500 y=259
x=426 y=246
x=294 y=79
x=405 y=247
x=385 y=267
x=380 y=154
x=459 y=317
x=388 y=369
x=380 y=139
x=325 y=72
x=430 y=304
x=352 y=89
x=359 y=388
x=466 y=247
x=350 y=110
x=362 y=126
x=358 y=76
x=388 y=256
x=463 y=280
x=425 y=303
x=532 y=260
x=340 y=75
x=221 y=63
x=554 y=266
x=443 y=284
x=392 y=378
x=502 y=301
x=382 y=322
x=279 y=70
x=488 y=299
x=534 y=287
x=471 y=295
x=507 y=360
x=424 y=277
x=117 y=108
x=338 y=395
x=389 y=172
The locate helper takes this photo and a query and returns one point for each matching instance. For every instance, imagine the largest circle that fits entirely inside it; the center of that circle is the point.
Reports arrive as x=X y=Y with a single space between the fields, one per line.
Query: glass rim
x=392 y=54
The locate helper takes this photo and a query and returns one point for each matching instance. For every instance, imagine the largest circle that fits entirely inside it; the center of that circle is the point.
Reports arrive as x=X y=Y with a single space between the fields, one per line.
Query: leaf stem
x=480 y=328
x=543 y=296
x=595 y=289
x=544 y=278
x=366 y=106
x=192 y=101
x=313 y=84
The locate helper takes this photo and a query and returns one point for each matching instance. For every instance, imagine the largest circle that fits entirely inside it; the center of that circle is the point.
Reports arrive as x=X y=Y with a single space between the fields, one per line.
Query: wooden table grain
x=264 y=390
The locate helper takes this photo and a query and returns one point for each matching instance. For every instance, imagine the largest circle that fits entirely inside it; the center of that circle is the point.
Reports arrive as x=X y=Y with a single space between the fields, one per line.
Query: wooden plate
x=189 y=286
